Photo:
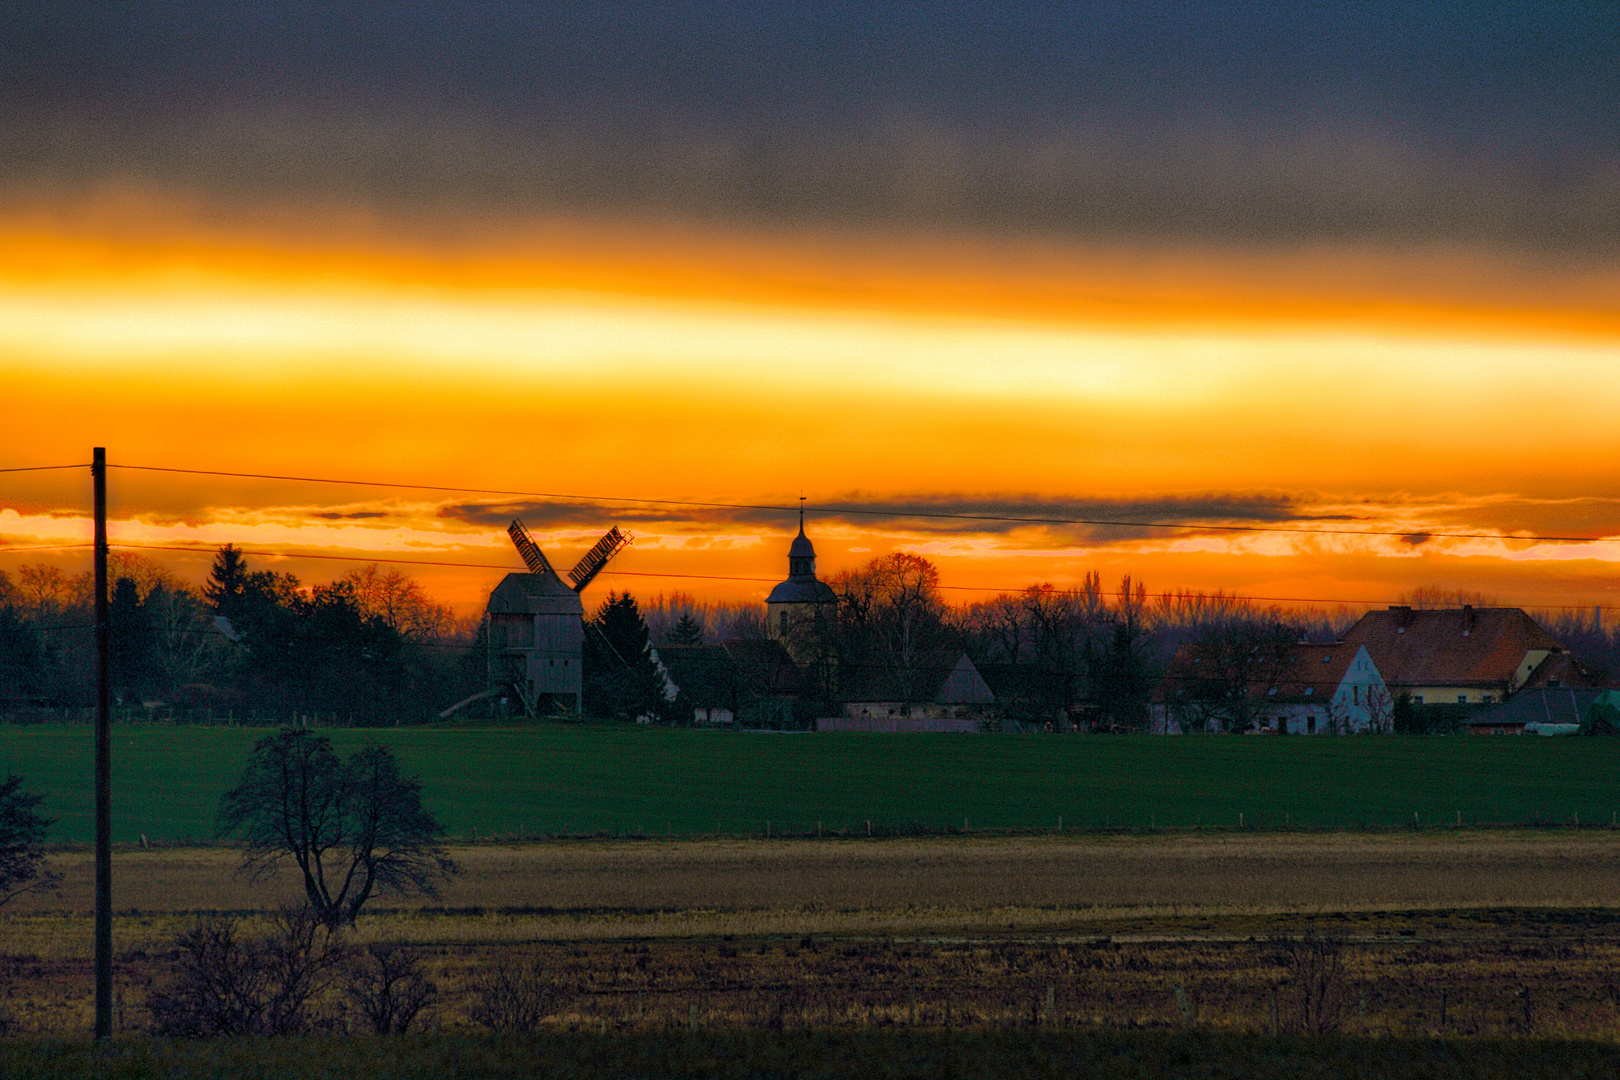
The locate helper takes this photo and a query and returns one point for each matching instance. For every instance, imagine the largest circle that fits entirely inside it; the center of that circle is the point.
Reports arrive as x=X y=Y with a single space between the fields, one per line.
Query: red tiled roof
x=1449 y=646
x=1563 y=670
x=1316 y=668
x=1314 y=673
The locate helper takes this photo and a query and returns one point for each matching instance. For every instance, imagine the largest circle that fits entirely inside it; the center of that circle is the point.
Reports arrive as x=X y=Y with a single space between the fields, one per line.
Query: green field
x=654 y=780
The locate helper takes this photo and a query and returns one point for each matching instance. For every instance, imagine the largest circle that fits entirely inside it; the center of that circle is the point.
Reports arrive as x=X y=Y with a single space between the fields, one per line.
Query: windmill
x=536 y=626
x=584 y=571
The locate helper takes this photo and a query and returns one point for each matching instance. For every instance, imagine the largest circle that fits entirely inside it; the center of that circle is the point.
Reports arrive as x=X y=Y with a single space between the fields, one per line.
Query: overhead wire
x=831 y=509
x=836 y=509
x=1012 y=590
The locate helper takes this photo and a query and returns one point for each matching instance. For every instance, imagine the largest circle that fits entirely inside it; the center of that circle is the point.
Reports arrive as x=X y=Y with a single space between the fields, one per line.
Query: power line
x=836 y=509
x=45 y=547
x=1015 y=590
x=457 y=490
x=41 y=468
x=329 y=558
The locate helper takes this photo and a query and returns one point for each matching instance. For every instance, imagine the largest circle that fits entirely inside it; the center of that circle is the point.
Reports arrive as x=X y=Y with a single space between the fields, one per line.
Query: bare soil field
x=1475 y=933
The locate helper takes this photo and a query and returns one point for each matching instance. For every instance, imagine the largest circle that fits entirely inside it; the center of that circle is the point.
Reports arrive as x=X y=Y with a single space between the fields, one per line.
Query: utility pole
x=104 y=1002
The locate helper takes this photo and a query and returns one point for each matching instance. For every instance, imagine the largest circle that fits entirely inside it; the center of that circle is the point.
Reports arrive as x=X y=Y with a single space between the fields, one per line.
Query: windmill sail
x=532 y=555
x=596 y=558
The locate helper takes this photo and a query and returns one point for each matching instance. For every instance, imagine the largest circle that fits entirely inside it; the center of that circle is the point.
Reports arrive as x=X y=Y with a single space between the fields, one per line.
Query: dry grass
x=844 y=933
x=684 y=888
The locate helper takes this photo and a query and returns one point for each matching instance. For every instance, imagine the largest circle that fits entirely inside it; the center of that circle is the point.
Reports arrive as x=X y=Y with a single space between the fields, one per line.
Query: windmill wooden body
x=537 y=625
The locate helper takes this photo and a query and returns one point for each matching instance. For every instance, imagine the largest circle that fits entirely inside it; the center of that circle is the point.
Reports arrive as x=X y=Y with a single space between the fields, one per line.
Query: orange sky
x=1415 y=390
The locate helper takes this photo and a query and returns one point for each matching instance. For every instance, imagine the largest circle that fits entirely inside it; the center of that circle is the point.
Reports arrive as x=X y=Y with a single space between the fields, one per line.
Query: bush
x=387 y=985
x=513 y=996
x=1315 y=966
x=228 y=985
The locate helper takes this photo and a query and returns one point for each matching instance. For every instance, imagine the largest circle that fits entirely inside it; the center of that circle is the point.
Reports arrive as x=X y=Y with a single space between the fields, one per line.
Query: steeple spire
x=801 y=555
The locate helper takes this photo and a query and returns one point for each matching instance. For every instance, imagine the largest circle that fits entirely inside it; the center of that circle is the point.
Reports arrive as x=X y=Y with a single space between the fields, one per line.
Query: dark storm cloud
x=1076 y=521
x=1251 y=122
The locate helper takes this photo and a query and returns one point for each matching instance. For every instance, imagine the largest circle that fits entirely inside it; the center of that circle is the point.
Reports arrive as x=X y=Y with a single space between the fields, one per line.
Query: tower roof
x=802 y=548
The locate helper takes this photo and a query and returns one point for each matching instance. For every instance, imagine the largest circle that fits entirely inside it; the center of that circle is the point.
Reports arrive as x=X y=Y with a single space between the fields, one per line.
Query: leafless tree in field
x=1317 y=979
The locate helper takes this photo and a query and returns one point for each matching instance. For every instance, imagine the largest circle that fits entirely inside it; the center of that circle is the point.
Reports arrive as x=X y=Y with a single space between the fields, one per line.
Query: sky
x=1034 y=290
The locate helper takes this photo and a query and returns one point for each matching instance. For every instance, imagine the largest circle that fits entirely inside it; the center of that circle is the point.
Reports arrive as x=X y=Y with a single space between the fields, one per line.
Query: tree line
x=367 y=648
x=371 y=647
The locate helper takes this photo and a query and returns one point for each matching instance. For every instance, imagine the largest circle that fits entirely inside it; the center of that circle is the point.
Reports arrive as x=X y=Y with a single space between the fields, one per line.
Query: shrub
x=1315 y=965
x=386 y=983
x=226 y=984
x=513 y=995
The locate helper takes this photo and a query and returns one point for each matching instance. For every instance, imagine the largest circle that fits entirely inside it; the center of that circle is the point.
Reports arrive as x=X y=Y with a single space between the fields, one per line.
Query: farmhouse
x=1284 y=688
x=1463 y=656
x=1326 y=689
x=942 y=692
x=1540 y=711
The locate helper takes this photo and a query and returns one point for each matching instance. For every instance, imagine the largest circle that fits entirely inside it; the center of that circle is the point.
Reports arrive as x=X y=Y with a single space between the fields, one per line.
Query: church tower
x=798 y=605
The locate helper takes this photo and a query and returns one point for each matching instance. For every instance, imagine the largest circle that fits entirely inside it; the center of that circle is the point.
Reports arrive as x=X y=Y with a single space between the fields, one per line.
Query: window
x=1487 y=699
x=1417 y=699
x=1310 y=725
x=1462 y=699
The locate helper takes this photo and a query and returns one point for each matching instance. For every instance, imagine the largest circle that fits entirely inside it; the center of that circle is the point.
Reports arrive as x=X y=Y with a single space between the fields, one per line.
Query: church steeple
x=802 y=554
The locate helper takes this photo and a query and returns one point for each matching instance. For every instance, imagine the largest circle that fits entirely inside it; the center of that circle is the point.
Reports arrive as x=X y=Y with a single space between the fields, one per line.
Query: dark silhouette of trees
x=22 y=832
x=890 y=616
x=353 y=828
x=621 y=679
x=1122 y=675
x=1220 y=680
x=686 y=631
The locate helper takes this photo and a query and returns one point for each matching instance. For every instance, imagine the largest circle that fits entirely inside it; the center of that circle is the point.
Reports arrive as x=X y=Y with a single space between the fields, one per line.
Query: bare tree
x=1220 y=680
x=890 y=612
x=513 y=995
x=399 y=601
x=352 y=828
x=44 y=590
x=1315 y=965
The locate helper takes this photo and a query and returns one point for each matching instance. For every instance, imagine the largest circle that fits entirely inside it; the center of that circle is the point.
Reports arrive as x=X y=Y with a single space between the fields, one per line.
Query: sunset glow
x=579 y=363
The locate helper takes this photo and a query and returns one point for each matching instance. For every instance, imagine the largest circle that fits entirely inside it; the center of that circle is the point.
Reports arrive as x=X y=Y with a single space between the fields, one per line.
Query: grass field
x=625 y=779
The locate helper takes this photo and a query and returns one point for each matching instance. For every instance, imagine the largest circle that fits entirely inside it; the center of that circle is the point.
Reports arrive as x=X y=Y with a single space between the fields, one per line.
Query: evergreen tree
x=621 y=679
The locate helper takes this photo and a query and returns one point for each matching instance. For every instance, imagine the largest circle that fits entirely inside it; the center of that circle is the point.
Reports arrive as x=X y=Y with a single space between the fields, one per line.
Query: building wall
x=1454 y=695
x=916 y=723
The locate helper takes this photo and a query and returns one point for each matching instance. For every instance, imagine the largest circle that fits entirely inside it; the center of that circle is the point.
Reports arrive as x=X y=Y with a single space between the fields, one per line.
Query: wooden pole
x=104 y=1003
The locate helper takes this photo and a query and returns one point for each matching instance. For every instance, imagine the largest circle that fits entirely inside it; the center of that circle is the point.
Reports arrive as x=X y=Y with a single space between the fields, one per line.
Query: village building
x=747 y=682
x=1332 y=689
x=1460 y=656
x=1303 y=688
x=1540 y=711
x=942 y=692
